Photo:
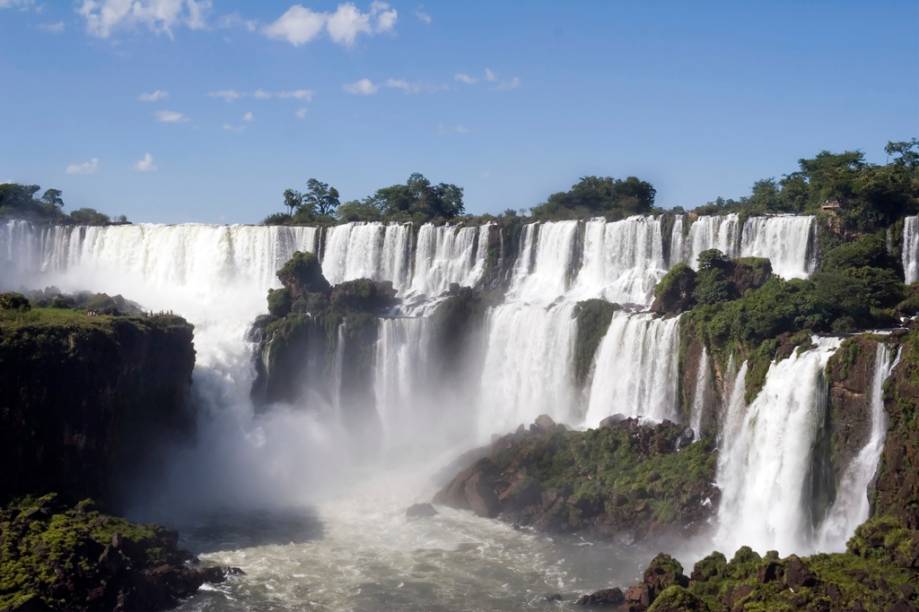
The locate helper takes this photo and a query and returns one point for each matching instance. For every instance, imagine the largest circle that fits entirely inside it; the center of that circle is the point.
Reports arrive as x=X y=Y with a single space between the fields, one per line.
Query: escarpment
x=87 y=399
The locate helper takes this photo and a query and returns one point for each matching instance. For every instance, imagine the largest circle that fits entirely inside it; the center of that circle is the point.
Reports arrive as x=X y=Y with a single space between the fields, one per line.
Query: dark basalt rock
x=420 y=511
x=602 y=598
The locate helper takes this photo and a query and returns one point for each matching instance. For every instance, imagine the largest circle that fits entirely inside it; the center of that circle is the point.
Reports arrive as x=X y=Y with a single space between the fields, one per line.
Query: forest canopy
x=20 y=202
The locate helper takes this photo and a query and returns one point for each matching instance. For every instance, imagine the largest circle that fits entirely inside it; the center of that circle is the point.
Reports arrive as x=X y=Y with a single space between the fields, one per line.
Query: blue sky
x=511 y=100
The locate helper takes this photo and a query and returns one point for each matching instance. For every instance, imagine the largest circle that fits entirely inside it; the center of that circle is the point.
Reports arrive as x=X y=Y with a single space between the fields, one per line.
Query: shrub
x=674 y=293
x=14 y=301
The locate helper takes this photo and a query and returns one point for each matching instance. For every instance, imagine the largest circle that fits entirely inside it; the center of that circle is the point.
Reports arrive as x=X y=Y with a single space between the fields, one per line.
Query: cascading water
x=368 y=250
x=764 y=467
x=851 y=507
x=911 y=249
x=622 y=261
x=712 y=232
x=449 y=254
x=635 y=371
x=703 y=380
x=784 y=240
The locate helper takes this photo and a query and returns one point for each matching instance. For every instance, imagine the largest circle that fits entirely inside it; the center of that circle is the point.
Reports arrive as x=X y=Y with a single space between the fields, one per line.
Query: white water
x=449 y=254
x=852 y=507
x=764 y=466
x=635 y=371
x=703 y=380
x=911 y=249
x=786 y=240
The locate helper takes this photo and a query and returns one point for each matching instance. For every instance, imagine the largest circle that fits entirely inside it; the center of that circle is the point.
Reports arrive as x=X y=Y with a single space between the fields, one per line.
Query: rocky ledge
x=54 y=556
x=624 y=476
x=878 y=571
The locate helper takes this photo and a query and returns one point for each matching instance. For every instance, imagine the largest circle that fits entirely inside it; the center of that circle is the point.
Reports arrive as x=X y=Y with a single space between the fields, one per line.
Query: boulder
x=420 y=511
x=602 y=598
x=798 y=574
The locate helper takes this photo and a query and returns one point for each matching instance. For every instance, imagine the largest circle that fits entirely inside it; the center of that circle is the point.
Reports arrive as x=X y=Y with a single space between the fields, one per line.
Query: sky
x=206 y=110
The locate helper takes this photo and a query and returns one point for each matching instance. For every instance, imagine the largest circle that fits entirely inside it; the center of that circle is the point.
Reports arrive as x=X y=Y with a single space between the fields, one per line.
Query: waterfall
x=703 y=380
x=677 y=248
x=622 y=260
x=635 y=370
x=852 y=506
x=786 y=240
x=712 y=232
x=368 y=250
x=911 y=249
x=400 y=360
x=550 y=248
x=764 y=466
x=527 y=367
x=449 y=254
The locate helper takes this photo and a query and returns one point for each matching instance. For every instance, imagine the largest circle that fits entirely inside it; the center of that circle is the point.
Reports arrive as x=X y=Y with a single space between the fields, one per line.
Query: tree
x=599 y=196
x=293 y=200
x=53 y=197
x=319 y=196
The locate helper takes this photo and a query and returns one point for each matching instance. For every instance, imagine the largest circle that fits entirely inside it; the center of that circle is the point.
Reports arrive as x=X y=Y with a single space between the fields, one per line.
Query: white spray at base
x=852 y=507
x=765 y=459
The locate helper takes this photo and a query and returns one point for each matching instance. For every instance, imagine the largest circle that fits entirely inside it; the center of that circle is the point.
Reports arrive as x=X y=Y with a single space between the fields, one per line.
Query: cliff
x=85 y=399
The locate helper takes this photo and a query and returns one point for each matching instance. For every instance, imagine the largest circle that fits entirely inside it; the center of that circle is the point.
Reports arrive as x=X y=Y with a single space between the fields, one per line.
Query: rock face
x=897 y=482
x=59 y=557
x=602 y=480
x=86 y=398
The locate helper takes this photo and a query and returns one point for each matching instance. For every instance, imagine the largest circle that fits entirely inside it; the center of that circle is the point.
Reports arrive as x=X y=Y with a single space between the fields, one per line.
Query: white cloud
x=301 y=113
x=146 y=164
x=508 y=84
x=231 y=95
x=153 y=96
x=227 y=95
x=233 y=128
x=410 y=87
x=54 y=27
x=363 y=87
x=87 y=167
x=445 y=129
x=23 y=5
x=161 y=16
x=490 y=76
x=168 y=116
x=235 y=20
x=248 y=117
x=423 y=16
x=462 y=77
x=300 y=25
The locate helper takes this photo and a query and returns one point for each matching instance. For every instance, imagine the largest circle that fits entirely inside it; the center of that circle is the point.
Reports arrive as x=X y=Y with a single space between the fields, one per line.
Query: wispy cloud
x=231 y=95
x=423 y=16
x=103 y=17
x=87 y=167
x=300 y=25
x=444 y=129
x=153 y=96
x=53 y=27
x=413 y=87
x=462 y=77
x=507 y=85
x=362 y=87
x=146 y=164
x=233 y=128
x=248 y=117
x=300 y=113
x=22 y=5
x=488 y=76
x=168 y=116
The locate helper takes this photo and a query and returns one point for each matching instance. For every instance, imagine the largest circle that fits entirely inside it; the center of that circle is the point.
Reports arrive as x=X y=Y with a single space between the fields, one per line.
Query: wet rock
x=612 y=420
x=420 y=511
x=602 y=598
x=552 y=597
x=769 y=572
x=797 y=574
x=638 y=595
x=543 y=423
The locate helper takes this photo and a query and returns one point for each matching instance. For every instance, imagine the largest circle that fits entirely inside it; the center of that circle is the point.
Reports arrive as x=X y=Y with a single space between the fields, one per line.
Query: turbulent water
x=353 y=548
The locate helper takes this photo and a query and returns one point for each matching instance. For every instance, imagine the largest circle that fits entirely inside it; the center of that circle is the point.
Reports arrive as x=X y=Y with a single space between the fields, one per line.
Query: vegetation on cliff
x=593 y=319
x=878 y=571
x=73 y=557
x=86 y=396
x=620 y=477
x=19 y=202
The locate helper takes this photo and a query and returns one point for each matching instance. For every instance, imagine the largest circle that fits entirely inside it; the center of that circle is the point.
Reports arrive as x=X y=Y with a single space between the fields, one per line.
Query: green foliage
x=357 y=210
x=50 y=550
x=866 y=251
x=593 y=318
x=19 y=202
x=279 y=302
x=363 y=295
x=909 y=307
x=594 y=196
x=14 y=301
x=674 y=293
x=302 y=274
x=418 y=200
x=870 y=196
